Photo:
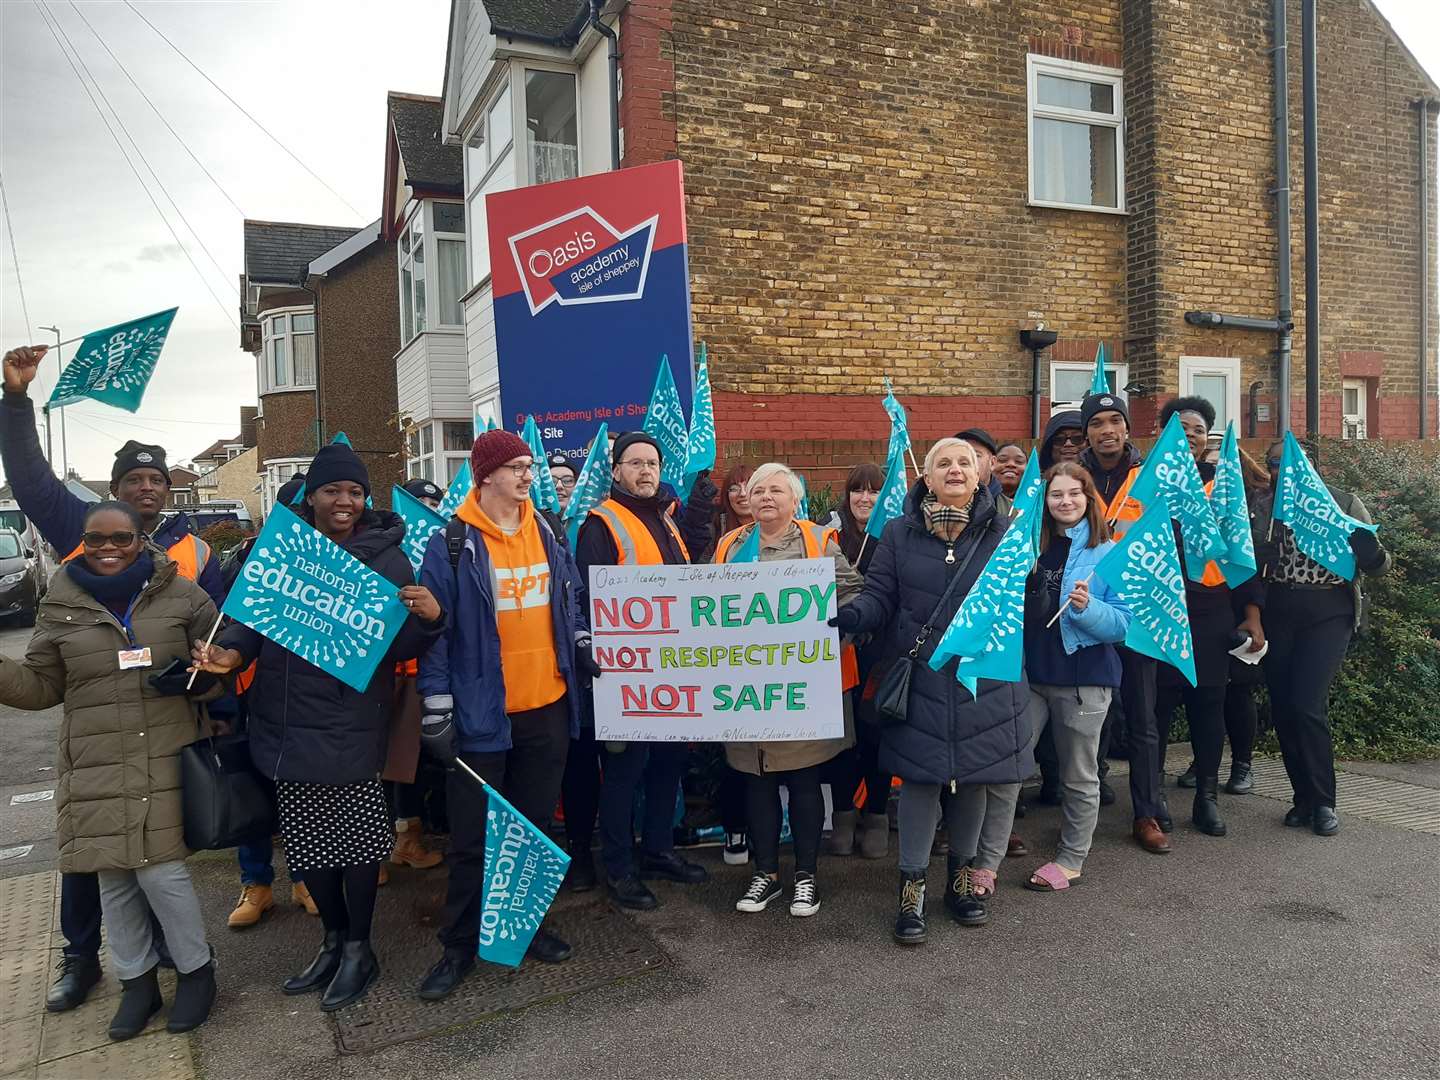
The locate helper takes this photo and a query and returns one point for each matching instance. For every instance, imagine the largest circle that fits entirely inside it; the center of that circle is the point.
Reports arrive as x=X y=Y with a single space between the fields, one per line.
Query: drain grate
x=608 y=947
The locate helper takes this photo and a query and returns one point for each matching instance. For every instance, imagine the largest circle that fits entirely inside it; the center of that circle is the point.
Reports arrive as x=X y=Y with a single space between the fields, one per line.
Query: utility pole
x=64 y=445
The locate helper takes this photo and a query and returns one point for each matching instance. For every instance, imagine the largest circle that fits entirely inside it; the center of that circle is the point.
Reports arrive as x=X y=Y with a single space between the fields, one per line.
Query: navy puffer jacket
x=948 y=734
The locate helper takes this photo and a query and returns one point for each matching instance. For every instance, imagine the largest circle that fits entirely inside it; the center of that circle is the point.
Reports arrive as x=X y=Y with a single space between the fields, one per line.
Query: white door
x=1217 y=380
x=1354 y=409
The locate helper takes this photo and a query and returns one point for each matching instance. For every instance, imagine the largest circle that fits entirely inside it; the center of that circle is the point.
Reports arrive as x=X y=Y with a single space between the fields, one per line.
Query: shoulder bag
x=225 y=801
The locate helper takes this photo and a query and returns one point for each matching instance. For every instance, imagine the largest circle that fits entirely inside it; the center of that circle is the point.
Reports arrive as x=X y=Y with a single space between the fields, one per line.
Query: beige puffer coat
x=118 y=798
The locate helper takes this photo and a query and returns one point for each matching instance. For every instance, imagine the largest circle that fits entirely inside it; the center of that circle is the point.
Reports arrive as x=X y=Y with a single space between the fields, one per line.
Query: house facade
x=882 y=190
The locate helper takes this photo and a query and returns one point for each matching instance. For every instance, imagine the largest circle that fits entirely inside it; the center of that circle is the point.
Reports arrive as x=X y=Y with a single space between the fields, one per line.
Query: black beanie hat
x=629 y=439
x=978 y=435
x=134 y=455
x=1098 y=403
x=558 y=460
x=334 y=462
x=422 y=488
x=289 y=489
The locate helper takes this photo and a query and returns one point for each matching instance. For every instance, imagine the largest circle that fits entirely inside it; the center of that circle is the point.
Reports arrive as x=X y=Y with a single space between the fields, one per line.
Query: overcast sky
x=92 y=249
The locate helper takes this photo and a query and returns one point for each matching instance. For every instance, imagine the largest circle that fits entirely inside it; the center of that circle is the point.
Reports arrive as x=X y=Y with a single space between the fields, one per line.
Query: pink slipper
x=984 y=881
x=1052 y=879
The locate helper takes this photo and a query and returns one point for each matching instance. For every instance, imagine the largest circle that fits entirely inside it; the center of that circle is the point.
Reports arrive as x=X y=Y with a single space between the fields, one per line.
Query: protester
x=1113 y=463
x=564 y=474
x=983 y=443
x=427 y=491
x=141 y=479
x=1064 y=439
x=1010 y=462
x=1070 y=661
x=1310 y=615
x=633 y=527
x=774 y=493
x=865 y=825
x=734 y=502
x=111 y=644
x=324 y=742
x=929 y=558
x=501 y=688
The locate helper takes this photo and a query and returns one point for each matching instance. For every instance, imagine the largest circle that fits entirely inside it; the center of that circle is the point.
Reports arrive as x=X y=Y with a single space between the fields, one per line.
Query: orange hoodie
x=520 y=576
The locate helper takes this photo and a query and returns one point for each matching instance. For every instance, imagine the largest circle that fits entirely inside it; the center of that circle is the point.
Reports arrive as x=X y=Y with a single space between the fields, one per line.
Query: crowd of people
x=493 y=669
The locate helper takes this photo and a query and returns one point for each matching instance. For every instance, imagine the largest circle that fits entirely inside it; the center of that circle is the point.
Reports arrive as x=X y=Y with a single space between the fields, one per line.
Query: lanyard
x=125 y=620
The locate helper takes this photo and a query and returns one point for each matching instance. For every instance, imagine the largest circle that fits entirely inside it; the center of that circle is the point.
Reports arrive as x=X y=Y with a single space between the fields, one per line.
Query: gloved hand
x=585 y=658
x=846 y=620
x=1367 y=549
x=437 y=728
x=173 y=679
x=704 y=494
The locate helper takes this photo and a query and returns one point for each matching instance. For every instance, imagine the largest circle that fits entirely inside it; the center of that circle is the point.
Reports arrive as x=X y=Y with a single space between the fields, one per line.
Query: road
x=27 y=766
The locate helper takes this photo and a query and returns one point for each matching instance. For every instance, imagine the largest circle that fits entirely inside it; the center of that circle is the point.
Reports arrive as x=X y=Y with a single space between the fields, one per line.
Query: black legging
x=346 y=898
x=1241 y=721
x=807 y=817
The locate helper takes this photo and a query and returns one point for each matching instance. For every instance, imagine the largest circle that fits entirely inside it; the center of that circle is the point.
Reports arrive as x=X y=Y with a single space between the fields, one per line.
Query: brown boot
x=410 y=850
x=1148 y=836
x=384 y=875
x=299 y=894
x=254 y=901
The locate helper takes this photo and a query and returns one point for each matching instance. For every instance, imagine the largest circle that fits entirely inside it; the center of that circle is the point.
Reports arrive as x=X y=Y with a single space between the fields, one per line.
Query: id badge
x=134 y=658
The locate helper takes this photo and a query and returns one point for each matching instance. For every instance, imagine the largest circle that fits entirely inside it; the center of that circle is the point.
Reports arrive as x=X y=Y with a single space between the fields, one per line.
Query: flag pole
x=1066 y=604
x=478 y=778
x=911 y=452
x=208 y=642
x=861 y=553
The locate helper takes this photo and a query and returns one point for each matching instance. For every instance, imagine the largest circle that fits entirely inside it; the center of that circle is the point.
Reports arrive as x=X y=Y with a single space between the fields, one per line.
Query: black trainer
x=1298 y=817
x=762 y=889
x=804 y=897
x=630 y=892
x=671 y=867
x=75 y=977
x=1242 y=780
x=1325 y=821
x=1107 y=794
x=448 y=973
x=580 y=875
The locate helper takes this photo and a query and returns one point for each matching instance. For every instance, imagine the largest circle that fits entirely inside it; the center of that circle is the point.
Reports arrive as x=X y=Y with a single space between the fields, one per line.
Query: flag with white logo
x=1302 y=501
x=114 y=365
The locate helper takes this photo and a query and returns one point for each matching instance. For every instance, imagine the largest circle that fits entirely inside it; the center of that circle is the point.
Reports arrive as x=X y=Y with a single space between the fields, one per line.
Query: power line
x=15 y=257
x=224 y=276
x=140 y=179
x=153 y=108
x=242 y=110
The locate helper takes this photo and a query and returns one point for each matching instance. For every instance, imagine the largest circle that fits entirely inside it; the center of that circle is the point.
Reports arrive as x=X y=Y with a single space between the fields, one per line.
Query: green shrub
x=1386 y=700
x=822 y=502
x=222 y=536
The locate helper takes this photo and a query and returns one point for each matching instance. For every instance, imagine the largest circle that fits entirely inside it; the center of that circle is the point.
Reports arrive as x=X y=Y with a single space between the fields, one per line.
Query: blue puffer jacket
x=948 y=736
x=1106 y=618
x=465 y=662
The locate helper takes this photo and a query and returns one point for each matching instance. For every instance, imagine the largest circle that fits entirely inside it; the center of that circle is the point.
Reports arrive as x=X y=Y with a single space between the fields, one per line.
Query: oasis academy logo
x=580 y=258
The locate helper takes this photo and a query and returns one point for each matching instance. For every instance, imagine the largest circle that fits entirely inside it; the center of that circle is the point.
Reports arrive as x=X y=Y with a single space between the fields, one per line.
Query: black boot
x=548 y=948
x=1163 y=818
x=910 y=920
x=1187 y=778
x=961 y=901
x=580 y=876
x=194 y=998
x=139 y=1001
x=321 y=970
x=357 y=972
x=77 y=975
x=1206 y=812
x=1240 y=782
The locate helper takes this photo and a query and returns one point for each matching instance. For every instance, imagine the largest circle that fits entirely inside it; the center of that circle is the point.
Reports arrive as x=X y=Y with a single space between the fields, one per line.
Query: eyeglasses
x=566 y=482
x=641 y=466
x=99 y=539
x=1077 y=439
x=519 y=470
x=736 y=489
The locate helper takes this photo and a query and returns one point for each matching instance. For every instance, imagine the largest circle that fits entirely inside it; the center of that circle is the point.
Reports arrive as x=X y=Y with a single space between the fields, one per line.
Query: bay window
x=432 y=268
x=287 y=350
x=455 y=439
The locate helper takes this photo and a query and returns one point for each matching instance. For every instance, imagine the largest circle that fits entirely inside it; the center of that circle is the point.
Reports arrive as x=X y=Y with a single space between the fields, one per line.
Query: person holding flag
x=950 y=743
x=502 y=686
x=634 y=526
x=1073 y=621
x=141 y=479
x=1314 y=605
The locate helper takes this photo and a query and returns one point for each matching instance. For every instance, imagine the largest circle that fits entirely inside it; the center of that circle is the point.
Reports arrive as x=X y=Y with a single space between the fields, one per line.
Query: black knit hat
x=978 y=435
x=422 y=488
x=134 y=455
x=1094 y=404
x=629 y=439
x=333 y=463
x=290 y=489
x=558 y=460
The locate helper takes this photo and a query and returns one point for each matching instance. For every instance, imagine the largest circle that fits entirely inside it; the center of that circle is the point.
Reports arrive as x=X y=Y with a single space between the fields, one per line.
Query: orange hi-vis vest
x=817 y=539
x=1213 y=575
x=633 y=542
x=189 y=554
x=1122 y=511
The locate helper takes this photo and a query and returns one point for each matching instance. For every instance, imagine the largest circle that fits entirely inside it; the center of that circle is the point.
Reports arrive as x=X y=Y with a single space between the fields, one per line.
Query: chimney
x=247 y=425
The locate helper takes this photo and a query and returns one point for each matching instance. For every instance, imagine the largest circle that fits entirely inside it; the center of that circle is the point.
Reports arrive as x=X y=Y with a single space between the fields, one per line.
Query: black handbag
x=224 y=799
x=892 y=696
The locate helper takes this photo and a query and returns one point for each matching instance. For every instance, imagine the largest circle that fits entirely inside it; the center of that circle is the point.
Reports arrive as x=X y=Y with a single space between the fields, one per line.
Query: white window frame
x=433 y=463
x=1226 y=366
x=267 y=383
x=519 y=80
x=1036 y=66
x=1355 y=425
x=1122 y=380
x=277 y=472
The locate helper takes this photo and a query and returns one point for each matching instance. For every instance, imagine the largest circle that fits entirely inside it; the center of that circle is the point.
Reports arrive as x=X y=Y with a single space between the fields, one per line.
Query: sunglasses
x=99 y=539
x=1078 y=439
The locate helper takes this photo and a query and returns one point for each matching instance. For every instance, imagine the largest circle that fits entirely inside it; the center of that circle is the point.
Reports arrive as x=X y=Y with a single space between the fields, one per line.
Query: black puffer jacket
x=305 y=724
x=949 y=735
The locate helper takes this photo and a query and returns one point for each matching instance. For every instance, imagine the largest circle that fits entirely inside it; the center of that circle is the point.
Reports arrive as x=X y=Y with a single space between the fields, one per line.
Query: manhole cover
x=608 y=947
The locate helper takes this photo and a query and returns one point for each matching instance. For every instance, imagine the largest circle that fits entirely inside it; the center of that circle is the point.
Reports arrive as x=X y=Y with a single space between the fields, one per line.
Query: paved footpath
x=1271 y=953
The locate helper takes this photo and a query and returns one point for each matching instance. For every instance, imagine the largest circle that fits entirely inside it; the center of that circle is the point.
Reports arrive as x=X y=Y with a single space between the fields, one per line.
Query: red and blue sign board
x=591 y=286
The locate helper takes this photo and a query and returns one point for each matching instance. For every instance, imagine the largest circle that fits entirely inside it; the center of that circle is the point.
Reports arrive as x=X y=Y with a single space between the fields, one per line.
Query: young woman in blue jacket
x=1071 y=662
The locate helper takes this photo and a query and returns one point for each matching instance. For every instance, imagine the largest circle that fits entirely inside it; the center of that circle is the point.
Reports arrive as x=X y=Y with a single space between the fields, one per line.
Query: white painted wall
x=595 y=110
x=478 y=47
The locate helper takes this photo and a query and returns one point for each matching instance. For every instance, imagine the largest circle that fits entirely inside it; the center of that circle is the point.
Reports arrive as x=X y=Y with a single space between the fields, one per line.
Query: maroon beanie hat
x=493 y=449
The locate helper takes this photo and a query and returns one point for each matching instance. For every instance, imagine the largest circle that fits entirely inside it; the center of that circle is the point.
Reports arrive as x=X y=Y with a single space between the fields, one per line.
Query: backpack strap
x=455 y=541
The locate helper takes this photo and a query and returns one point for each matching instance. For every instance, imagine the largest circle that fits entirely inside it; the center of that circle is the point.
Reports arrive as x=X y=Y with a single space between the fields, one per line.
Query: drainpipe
x=1310 y=109
x=609 y=33
x=1422 y=108
x=1283 y=290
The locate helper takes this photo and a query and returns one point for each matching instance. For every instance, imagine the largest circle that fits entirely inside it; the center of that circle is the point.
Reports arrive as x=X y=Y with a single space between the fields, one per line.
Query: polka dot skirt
x=327 y=826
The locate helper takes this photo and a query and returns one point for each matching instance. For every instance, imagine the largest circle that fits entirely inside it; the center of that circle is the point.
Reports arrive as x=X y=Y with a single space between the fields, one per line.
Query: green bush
x=222 y=536
x=1386 y=700
x=822 y=502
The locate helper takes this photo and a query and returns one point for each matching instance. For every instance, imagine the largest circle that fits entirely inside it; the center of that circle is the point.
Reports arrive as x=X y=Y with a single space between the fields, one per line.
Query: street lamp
x=64 y=445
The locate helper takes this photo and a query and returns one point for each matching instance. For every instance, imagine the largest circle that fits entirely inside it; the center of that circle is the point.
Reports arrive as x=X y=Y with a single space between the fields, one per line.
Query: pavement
x=1270 y=952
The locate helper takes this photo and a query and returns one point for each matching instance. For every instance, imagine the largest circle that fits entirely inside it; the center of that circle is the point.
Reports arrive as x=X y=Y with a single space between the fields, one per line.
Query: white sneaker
x=737 y=851
x=804 y=898
x=763 y=888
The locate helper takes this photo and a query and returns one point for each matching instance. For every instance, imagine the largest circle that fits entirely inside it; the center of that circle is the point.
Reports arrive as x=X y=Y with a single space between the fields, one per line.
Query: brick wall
x=285 y=426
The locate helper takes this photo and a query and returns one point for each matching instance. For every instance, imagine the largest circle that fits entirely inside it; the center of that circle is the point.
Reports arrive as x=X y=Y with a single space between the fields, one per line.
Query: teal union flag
x=1144 y=569
x=1170 y=472
x=309 y=595
x=421 y=523
x=899 y=427
x=542 y=484
x=523 y=871
x=457 y=492
x=114 y=365
x=1232 y=513
x=749 y=551
x=1302 y=501
x=891 y=502
x=592 y=486
x=700 y=445
x=665 y=423
x=1099 y=384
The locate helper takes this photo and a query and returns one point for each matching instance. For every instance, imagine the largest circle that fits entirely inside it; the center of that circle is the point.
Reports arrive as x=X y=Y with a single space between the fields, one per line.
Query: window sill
x=1113 y=211
x=483 y=283
x=268 y=391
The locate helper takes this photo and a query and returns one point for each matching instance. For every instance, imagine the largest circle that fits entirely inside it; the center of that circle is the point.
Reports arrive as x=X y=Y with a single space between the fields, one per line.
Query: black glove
x=846 y=620
x=1367 y=549
x=704 y=493
x=437 y=729
x=173 y=680
x=585 y=659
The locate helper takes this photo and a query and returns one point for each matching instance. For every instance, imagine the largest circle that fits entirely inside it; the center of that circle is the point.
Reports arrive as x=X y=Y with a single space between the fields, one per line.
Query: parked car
x=203 y=515
x=22 y=581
